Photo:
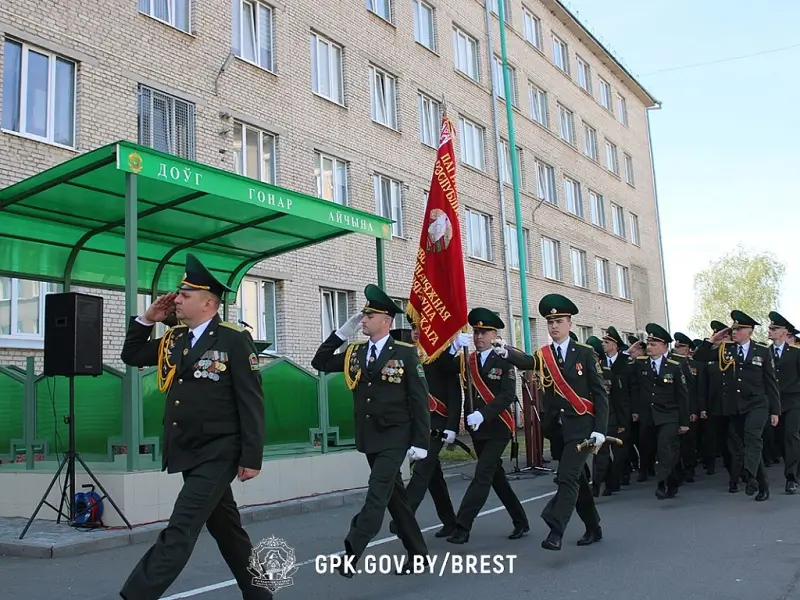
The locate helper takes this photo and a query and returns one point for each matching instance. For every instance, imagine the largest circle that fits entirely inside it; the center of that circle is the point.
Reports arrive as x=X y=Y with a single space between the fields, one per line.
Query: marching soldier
x=444 y=399
x=787 y=369
x=213 y=427
x=575 y=407
x=682 y=353
x=713 y=413
x=494 y=387
x=392 y=419
x=661 y=405
x=750 y=390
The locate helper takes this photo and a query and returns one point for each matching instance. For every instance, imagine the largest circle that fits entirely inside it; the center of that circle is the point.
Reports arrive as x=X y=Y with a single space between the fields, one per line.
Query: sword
x=591 y=443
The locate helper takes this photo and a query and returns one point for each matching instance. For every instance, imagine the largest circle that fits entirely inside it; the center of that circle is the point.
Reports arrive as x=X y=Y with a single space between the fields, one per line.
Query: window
x=617 y=220
x=518 y=333
x=532 y=28
x=580 y=276
x=38 y=94
x=22 y=309
x=258 y=308
x=400 y=321
x=166 y=123
x=335 y=311
x=512 y=247
x=597 y=209
x=172 y=12
x=253 y=36
x=605 y=94
x=430 y=118
x=472 y=151
x=623 y=282
x=634 y=221
x=573 y=197
x=383 y=89
x=382 y=8
x=506 y=9
x=612 y=160
x=465 y=51
x=566 y=124
x=143 y=301
x=424 y=30
x=546 y=182
x=584 y=333
x=622 y=109
x=254 y=153
x=590 y=142
x=584 y=75
x=506 y=174
x=389 y=201
x=538 y=101
x=331 y=175
x=499 y=83
x=327 y=77
x=628 y=169
x=479 y=235
x=603 y=276
x=560 y=54
x=551 y=259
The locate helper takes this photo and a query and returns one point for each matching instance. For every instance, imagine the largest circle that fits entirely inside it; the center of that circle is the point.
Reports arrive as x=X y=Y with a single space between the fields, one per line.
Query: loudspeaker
x=73 y=334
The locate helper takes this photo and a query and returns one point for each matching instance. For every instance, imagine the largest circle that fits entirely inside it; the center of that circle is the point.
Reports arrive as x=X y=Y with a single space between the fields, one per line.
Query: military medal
x=580 y=368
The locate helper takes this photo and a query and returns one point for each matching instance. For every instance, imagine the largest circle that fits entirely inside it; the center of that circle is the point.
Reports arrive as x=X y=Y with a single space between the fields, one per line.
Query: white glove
x=599 y=438
x=349 y=328
x=474 y=420
x=462 y=341
x=415 y=453
x=499 y=347
x=449 y=436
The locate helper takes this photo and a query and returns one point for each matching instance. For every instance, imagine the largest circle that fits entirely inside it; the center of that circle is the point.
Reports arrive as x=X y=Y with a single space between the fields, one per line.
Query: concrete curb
x=105 y=539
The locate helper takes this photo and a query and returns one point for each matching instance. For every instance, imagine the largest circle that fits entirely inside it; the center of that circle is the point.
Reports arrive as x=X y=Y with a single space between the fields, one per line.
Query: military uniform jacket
x=618 y=385
x=443 y=376
x=689 y=367
x=215 y=405
x=390 y=400
x=582 y=372
x=659 y=398
x=746 y=385
x=787 y=369
x=501 y=379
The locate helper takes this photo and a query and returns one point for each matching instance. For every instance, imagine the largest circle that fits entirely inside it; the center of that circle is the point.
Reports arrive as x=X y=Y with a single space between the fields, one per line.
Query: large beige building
x=342 y=100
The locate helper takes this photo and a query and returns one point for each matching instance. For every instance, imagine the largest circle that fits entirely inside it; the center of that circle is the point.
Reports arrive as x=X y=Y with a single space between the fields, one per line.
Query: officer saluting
x=575 y=396
x=213 y=428
x=392 y=419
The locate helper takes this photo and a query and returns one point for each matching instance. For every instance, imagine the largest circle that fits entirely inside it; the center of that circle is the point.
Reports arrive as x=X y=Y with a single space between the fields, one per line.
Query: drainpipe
x=658 y=217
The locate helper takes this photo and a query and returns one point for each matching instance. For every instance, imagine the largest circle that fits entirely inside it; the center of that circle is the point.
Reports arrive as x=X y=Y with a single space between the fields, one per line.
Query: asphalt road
x=705 y=544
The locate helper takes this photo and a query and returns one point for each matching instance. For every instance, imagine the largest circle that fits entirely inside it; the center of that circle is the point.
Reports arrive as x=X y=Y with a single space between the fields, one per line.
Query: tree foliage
x=740 y=280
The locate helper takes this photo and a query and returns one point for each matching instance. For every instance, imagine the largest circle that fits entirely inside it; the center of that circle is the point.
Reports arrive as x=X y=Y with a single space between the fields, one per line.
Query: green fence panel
x=290 y=403
x=12 y=416
x=340 y=407
x=152 y=407
x=98 y=413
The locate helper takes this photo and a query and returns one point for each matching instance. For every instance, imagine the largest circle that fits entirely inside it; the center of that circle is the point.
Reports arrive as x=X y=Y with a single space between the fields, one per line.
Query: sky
x=727 y=139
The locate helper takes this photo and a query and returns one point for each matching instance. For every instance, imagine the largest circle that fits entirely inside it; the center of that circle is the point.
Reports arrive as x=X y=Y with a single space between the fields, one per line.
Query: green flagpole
x=523 y=277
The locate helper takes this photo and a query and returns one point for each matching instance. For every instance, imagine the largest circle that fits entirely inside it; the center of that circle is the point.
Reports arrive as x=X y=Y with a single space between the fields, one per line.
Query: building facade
x=342 y=100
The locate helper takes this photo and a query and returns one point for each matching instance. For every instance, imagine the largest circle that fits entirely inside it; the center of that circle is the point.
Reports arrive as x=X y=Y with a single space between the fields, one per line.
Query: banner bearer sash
x=485 y=392
x=582 y=406
x=436 y=405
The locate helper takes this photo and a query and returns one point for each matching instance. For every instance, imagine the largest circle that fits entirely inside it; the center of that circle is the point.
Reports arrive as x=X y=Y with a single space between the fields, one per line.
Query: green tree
x=741 y=280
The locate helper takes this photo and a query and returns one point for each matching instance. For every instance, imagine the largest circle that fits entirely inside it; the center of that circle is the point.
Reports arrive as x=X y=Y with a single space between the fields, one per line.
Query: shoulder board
x=794 y=346
x=357 y=343
x=233 y=326
x=760 y=345
x=584 y=345
x=673 y=362
x=179 y=326
x=641 y=358
x=406 y=344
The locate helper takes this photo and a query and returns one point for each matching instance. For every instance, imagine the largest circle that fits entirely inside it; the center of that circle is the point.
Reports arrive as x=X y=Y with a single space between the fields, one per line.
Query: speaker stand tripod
x=69 y=483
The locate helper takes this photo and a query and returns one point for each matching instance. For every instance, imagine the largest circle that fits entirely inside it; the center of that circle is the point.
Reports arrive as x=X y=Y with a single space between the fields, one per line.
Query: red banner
x=438 y=299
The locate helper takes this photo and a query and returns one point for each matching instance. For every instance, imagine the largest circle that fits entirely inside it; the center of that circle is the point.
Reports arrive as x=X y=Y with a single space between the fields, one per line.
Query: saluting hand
x=245 y=474
x=162 y=307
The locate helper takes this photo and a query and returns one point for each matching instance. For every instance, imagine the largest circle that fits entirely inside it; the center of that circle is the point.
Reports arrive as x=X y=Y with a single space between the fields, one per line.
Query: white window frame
x=537 y=98
x=506 y=10
x=147 y=99
x=597 y=209
x=430 y=119
x=260 y=328
x=606 y=96
x=22 y=92
x=395 y=202
x=573 y=198
x=337 y=165
x=612 y=158
x=580 y=270
x=473 y=151
x=584 y=333
x=240 y=156
x=634 y=226
x=532 y=28
x=15 y=339
x=499 y=83
x=143 y=301
x=617 y=220
x=479 y=225
x=566 y=124
x=421 y=9
x=334 y=68
x=512 y=247
x=381 y=8
x=590 y=142
x=551 y=259
x=255 y=35
x=603 y=274
x=400 y=320
x=560 y=54
x=506 y=174
x=465 y=54
x=383 y=95
x=584 y=75
x=337 y=318
x=623 y=282
x=546 y=182
x=628 y=169
x=147 y=7
x=622 y=109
